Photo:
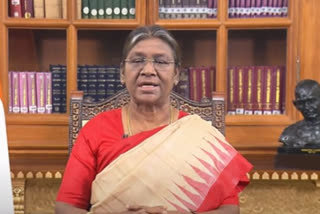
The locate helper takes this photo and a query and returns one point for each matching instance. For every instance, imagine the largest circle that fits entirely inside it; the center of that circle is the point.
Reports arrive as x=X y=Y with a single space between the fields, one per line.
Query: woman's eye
x=139 y=60
x=162 y=62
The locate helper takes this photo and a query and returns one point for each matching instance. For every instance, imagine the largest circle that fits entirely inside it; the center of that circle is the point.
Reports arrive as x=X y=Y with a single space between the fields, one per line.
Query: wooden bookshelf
x=76 y=40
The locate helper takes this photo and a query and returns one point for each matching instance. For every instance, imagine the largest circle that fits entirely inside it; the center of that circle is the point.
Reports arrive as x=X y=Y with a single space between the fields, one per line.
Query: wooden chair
x=81 y=111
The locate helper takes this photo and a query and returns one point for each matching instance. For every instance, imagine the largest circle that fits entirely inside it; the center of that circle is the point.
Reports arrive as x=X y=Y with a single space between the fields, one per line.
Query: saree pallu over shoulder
x=178 y=167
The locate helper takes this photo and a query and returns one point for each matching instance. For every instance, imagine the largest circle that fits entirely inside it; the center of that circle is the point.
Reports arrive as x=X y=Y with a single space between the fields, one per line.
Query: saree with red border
x=187 y=165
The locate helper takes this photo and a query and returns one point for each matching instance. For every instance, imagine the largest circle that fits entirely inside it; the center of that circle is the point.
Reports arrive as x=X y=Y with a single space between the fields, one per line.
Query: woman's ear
x=176 y=76
x=122 y=76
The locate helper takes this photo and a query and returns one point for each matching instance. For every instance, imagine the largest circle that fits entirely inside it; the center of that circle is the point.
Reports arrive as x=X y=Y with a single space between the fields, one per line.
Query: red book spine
x=27 y=8
x=267 y=90
x=199 y=85
x=193 y=83
x=257 y=105
x=283 y=88
x=276 y=90
x=248 y=88
x=240 y=89
x=15 y=8
x=231 y=91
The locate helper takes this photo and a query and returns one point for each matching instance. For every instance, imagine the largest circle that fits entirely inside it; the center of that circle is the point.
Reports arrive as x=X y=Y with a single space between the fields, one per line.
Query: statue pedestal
x=298 y=158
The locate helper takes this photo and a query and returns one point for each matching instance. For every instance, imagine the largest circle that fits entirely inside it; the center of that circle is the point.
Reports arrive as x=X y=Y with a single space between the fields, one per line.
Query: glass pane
x=37 y=71
x=99 y=57
x=256 y=71
x=198 y=73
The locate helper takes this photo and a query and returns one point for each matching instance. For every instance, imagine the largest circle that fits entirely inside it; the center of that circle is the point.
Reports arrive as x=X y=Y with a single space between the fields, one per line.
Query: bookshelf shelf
x=107 y=24
x=196 y=24
x=259 y=120
x=36 y=23
x=258 y=23
x=37 y=119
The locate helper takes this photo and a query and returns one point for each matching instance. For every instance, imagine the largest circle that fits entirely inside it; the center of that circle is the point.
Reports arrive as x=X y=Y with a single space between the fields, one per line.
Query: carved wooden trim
x=75 y=117
x=218 y=109
x=284 y=175
x=18 y=190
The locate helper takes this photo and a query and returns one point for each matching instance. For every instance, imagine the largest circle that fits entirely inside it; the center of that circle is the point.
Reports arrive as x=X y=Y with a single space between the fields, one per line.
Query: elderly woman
x=148 y=157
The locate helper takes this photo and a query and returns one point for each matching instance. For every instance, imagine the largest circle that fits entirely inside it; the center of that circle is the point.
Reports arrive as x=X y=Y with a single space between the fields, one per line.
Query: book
x=132 y=9
x=58 y=77
x=101 y=11
x=10 y=91
x=248 y=89
x=40 y=86
x=32 y=93
x=258 y=82
x=167 y=11
x=231 y=9
x=64 y=9
x=79 y=9
x=38 y=9
x=203 y=9
x=267 y=90
x=239 y=92
x=231 y=90
x=15 y=8
x=93 y=5
x=23 y=92
x=27 y=8
x=185 y=9
x=124 y=9
x=116 y=9
x=161 y=10
x=210 y=9
x=92 y=82
x=53 y=9
x=48 y=92
x=108 y=9
x=276 y=90
x=85 y=9
x=15 y=92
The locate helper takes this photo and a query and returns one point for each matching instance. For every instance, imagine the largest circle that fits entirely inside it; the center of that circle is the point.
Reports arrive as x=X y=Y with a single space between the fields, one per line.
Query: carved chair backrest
x=81 y=111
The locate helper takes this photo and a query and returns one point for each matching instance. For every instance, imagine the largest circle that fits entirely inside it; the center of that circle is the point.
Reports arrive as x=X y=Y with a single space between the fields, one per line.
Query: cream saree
x=176 y=168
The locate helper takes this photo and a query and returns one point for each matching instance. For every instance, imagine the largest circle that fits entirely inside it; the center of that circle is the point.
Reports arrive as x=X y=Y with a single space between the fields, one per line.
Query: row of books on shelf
x=256 y=90
x=86 y=9
x=187 y=9
x=257 y=8
x=30 y=92
x=38 y=92
x=52 y=9
x=98 y=82
x=250 y=90
x=196 y=83
x=108 y=9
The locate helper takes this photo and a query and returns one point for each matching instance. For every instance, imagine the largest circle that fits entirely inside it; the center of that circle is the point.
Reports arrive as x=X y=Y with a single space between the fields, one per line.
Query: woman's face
x=149 y=72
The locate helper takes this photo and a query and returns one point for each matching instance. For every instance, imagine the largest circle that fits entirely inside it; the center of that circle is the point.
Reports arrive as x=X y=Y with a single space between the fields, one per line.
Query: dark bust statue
x=305 y=133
